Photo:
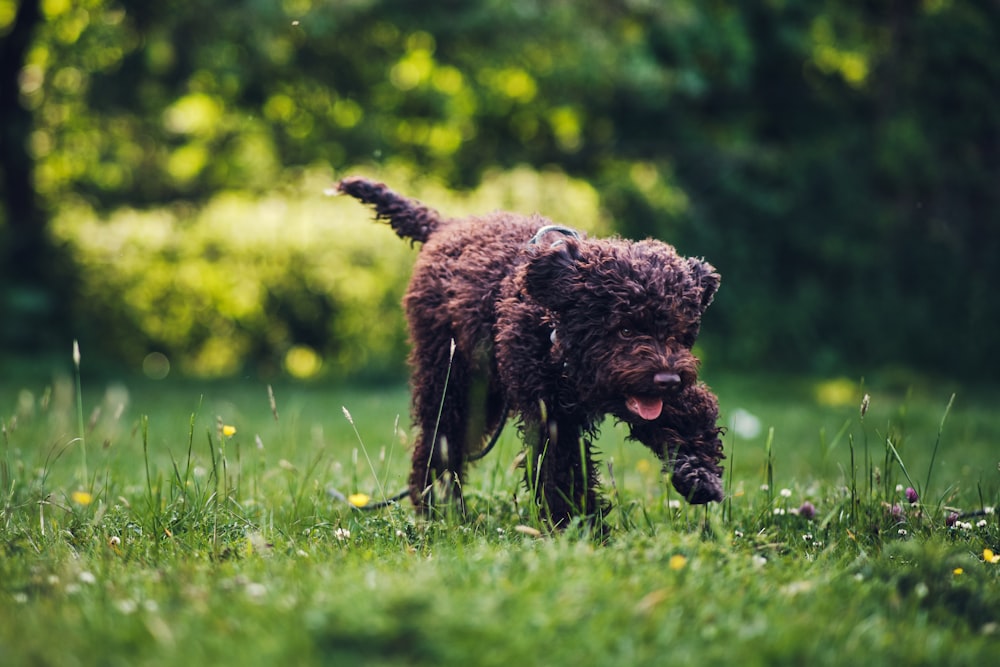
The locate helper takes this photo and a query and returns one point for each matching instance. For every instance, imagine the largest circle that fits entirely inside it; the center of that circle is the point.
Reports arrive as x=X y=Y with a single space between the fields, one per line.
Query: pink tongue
x=647 y=408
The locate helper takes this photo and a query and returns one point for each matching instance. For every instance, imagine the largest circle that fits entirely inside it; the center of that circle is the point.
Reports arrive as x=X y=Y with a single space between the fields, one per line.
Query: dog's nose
x=666 y=380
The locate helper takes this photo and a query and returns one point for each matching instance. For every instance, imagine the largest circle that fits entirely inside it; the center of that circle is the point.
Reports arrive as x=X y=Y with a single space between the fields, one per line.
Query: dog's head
x=624 y=316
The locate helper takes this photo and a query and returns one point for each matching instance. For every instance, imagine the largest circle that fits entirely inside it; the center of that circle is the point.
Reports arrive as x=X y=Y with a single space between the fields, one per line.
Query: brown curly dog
x=515 y=315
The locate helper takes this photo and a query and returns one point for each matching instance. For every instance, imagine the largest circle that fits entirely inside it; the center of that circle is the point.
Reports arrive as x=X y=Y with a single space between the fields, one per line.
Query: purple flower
x=807 y=510
x=896 y=511
x=951 y=520
x=911 y=495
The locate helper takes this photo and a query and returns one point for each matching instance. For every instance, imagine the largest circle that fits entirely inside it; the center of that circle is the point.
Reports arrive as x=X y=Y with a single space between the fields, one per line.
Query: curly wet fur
x=559 y=331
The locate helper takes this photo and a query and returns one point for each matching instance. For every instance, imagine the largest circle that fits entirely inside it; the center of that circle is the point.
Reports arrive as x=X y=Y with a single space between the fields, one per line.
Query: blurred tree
x=22 y=213
x=27 y=290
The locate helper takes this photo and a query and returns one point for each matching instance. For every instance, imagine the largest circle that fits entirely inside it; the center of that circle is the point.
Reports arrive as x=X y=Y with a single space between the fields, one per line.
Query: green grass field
x=162 y=537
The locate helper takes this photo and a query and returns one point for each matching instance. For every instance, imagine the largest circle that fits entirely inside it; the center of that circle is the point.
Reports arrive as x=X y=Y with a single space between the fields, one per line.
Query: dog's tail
x=409 y=218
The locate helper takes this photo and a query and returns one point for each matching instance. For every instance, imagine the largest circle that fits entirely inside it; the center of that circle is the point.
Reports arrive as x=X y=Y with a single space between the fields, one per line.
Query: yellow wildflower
x=677 y=562
x=990 y=557
x=957 y=571
x=228 y=431
x=358 y=499
x=81 y=497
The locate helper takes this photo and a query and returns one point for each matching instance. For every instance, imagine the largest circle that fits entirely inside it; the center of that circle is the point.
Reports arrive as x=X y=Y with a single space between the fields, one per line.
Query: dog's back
x=461 y=266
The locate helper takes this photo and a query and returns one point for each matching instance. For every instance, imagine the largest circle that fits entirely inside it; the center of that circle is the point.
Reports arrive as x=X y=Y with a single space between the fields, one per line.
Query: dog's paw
x=698 y=485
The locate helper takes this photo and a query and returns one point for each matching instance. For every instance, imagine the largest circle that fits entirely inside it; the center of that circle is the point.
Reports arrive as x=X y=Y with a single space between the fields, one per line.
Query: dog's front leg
x=686 y=438
x=560 y=470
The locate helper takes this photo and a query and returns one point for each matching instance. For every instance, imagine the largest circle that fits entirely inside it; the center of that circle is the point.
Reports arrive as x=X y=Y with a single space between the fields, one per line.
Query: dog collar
x=559 y=229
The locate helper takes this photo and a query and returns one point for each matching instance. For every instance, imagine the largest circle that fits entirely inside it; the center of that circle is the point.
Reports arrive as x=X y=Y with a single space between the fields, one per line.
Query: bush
x=294 y=281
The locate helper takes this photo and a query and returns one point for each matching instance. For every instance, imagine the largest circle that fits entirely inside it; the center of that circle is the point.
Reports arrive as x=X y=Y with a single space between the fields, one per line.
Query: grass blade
x=899 y=460
x=937 y=442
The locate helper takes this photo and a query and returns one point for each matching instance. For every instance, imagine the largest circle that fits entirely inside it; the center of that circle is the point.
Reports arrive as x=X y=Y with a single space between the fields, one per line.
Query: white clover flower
x=255 y=590
x=342 y=534
x=745 y=424
x=126 y=606
x=786 y=493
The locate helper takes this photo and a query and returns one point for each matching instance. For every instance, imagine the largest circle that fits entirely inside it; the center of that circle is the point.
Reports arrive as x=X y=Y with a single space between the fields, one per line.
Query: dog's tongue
x=647 y=408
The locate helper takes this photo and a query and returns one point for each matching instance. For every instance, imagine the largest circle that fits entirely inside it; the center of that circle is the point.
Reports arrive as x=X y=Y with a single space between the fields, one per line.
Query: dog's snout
x=666 y=380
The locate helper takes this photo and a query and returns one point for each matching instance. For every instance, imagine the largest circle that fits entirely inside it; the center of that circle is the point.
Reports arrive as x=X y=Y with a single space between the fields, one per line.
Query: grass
x=172 y=540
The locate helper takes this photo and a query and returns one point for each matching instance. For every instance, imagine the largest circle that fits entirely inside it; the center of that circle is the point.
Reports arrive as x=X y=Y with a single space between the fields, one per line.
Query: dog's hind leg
x=441 y=382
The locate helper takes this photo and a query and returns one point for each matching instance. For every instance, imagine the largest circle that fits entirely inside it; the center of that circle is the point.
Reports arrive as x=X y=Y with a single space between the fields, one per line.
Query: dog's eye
x=626 y=332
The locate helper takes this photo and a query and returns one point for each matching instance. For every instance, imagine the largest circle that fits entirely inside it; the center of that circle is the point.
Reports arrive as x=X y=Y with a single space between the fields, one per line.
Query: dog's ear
x=552 y=276
x=707 y=280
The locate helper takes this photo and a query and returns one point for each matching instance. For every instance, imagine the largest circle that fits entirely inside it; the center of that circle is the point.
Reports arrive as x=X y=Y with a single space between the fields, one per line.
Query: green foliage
x=835 y=161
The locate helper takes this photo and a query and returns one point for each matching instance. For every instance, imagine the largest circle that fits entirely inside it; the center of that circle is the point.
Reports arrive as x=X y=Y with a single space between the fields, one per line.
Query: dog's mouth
x=646 y=407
